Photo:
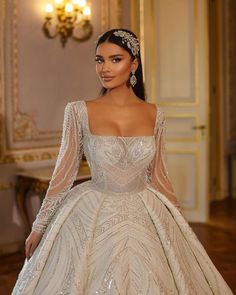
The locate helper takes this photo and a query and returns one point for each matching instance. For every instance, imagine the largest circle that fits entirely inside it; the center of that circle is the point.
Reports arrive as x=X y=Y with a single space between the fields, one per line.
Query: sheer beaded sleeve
x=158 y=173
x=66 y=168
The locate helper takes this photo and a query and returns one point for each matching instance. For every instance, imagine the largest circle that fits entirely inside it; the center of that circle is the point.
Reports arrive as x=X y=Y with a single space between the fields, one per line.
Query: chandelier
x=68 y=19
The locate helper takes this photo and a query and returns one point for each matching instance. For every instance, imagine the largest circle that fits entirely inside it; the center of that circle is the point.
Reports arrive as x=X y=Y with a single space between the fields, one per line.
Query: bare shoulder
x=151 y=108
x=93 y=102
x=99 y=99
x=96 y=107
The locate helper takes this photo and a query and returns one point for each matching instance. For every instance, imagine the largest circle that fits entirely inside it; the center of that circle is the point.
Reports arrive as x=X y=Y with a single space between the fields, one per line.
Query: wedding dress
x=120 y=232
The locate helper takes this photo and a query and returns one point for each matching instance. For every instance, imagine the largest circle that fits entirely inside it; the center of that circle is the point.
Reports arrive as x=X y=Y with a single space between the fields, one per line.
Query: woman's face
x=113 y=65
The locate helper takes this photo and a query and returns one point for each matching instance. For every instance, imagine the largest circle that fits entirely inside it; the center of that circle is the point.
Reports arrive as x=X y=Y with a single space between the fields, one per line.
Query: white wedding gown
x=120 y=232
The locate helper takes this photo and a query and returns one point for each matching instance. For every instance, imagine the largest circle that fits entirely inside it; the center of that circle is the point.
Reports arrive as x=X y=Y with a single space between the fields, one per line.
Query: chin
x=110 y=86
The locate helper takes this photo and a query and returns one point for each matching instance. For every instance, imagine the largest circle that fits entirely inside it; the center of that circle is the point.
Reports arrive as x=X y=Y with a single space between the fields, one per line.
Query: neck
x=121 y=95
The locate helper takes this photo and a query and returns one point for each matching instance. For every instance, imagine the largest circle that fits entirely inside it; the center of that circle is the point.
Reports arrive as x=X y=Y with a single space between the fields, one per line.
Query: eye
x=98 y=60
x=116 y=59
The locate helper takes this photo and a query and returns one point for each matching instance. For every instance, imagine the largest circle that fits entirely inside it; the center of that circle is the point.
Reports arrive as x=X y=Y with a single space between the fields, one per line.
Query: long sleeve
x=158 y=173
x=66 y=168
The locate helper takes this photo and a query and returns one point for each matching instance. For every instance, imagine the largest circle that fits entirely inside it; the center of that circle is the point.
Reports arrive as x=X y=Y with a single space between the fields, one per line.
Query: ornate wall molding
x=24 y=125
x=19 y=129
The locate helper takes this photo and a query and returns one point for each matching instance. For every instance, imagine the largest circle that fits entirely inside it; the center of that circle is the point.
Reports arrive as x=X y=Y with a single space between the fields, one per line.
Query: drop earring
x=133 y=79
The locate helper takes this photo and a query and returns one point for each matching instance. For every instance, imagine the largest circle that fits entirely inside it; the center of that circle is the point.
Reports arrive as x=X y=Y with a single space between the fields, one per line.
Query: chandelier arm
x=86 y=28
x=46 y=30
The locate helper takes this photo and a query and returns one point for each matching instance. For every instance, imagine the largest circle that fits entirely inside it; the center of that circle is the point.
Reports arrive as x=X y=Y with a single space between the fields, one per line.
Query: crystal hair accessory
x=131 y=42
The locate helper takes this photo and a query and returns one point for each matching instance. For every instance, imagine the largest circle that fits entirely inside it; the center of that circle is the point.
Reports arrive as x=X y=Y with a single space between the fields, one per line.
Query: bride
x=122 y=232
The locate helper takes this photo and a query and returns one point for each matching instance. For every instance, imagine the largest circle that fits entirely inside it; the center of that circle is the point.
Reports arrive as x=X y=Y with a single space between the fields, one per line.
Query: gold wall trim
x=28 y=157
x=24 y=126
x=195 y=153
x=196 y=137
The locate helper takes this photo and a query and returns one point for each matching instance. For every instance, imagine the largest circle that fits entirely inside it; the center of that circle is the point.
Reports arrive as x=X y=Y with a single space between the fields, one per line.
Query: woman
x=122 y=232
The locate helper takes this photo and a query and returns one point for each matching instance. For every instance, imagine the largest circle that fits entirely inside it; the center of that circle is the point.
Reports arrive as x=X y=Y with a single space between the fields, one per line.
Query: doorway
x=222 y=50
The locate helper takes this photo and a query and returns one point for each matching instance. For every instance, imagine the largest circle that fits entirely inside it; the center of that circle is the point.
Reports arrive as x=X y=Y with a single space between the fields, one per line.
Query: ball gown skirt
x=120 y=233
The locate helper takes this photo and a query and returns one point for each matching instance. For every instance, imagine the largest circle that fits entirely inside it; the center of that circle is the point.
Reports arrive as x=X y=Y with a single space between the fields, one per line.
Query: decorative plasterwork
x=23 y=127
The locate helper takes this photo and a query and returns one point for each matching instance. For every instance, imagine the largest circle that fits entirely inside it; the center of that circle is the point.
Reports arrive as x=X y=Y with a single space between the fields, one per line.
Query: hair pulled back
x=109 y=36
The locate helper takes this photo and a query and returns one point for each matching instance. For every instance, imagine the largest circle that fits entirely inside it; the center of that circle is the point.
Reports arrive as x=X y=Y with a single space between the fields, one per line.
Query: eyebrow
x=111 y=56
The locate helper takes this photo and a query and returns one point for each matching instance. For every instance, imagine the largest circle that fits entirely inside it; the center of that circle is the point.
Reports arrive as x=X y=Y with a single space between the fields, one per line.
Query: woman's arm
x=65 y=170
x=158 y=173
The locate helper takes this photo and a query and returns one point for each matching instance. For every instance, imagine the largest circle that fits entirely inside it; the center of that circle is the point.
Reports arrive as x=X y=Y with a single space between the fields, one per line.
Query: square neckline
x=118 y=136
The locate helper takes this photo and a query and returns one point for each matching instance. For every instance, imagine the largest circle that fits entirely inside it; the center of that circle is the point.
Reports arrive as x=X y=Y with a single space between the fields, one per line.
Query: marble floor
x=218 y=236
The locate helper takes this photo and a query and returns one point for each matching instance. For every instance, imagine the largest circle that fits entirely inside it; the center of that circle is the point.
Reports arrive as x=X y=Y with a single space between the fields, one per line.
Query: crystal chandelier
x=72 y=20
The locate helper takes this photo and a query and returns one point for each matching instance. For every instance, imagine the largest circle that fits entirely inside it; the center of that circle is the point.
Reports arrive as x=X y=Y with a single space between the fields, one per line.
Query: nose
x=105 y=67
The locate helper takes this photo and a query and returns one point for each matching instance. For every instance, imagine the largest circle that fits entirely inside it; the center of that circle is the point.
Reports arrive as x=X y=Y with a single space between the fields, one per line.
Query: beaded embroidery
x=110 y=235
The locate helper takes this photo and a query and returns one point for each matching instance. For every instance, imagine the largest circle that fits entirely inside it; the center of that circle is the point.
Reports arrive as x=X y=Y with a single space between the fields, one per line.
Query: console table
x=37 y=181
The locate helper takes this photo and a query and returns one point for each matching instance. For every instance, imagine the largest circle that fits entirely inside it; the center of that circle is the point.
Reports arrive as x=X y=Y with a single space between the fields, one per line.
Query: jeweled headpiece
x=130 y=40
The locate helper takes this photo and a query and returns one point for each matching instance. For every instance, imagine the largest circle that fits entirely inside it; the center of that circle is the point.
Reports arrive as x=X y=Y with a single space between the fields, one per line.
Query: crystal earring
x=133 y=79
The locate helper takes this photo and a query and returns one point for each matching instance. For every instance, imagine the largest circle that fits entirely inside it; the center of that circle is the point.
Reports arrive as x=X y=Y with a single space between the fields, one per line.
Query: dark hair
x=109 y=36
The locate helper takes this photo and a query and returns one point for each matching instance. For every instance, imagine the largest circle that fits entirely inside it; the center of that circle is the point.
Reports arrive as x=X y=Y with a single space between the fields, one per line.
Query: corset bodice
x=119 y=164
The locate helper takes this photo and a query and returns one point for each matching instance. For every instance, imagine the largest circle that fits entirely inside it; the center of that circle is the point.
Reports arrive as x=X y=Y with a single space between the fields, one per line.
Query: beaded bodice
x=118 y=164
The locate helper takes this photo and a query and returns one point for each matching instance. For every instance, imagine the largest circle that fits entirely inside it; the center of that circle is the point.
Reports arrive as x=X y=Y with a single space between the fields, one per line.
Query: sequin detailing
x=119 y=233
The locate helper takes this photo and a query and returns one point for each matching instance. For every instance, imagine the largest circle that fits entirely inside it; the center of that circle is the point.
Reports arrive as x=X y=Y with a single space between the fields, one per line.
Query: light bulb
x=59 y=2
x=80 y=3
x=49 y=9
x=87 y=11
x=69 y=8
